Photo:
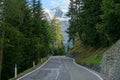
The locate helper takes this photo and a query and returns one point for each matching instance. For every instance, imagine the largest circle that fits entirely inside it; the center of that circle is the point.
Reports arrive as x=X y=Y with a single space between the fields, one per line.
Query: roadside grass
x=92 y=60
x=87 y=54
x=31 y=69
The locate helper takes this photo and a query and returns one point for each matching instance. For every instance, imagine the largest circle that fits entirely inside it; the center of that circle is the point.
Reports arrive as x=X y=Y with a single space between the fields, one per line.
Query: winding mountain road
x=61 y=68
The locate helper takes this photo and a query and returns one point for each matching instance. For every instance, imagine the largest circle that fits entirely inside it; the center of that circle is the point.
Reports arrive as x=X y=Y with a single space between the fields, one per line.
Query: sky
x=50 y=4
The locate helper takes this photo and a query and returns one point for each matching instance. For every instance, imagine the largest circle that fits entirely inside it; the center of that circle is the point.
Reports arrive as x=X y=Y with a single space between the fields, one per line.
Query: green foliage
x=90 y=17
x=57 y=38
x=1 y=37
x=95 y=22
x=111 y=19
x=56 y=29
x=74 y=11
x=27 y=36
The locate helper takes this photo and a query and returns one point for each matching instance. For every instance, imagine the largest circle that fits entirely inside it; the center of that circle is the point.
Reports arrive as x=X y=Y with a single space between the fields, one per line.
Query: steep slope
x=86 y=54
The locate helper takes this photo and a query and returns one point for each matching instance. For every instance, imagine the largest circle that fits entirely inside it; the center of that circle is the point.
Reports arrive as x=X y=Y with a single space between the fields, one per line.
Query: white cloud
x=66 y=1
x=53 y=3
x=63 y=3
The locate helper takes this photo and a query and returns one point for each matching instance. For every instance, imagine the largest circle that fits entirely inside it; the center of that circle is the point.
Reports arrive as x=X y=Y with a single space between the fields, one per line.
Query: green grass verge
x=87 y=54
x=92 y=60
x=31 y=69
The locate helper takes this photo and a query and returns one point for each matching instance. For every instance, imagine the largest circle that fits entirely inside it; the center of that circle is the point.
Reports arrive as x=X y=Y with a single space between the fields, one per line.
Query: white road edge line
x=88 y=70
x=34 y=70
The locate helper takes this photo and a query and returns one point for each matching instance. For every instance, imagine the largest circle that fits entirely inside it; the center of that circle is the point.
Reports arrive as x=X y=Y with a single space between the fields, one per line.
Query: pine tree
x=37 y=32
x=27 y=29
x=85 y=15
x=27 y=35
x=90 y=17
x=1 y=36
x=74 y=12
x=72 y=32
x=14 y=39
x=111 y=20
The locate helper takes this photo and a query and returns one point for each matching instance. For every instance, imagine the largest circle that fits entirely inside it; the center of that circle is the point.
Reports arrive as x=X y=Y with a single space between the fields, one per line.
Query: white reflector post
x=33 y=63
x=15 y=70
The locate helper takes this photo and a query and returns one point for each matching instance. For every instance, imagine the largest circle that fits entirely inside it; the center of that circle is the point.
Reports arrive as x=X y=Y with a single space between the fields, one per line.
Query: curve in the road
x=88 y=70
x=61 y=68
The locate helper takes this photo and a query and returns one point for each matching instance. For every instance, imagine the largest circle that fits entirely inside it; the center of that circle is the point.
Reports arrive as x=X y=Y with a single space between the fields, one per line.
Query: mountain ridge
x=58 y=12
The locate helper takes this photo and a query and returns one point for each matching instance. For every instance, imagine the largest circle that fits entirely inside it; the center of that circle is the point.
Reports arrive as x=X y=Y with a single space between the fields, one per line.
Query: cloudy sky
x=50 y=4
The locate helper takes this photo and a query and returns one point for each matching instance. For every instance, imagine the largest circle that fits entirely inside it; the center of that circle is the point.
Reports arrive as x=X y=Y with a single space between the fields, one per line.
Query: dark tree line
x=96 y=23
x=25 y=35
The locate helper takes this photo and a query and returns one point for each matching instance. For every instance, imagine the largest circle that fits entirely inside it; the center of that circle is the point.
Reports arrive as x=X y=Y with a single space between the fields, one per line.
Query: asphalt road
x=61 y=68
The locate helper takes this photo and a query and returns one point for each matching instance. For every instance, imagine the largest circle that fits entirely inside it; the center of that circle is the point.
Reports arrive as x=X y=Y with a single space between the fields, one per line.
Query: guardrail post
x=15 y=70
x=33 y=63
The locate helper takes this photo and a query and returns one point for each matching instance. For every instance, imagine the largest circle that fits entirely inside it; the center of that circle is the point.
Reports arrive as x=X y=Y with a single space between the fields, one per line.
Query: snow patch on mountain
x=59 y=12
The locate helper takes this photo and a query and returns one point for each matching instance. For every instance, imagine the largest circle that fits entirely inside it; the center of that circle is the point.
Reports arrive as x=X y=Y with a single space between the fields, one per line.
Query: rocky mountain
x=60 y=14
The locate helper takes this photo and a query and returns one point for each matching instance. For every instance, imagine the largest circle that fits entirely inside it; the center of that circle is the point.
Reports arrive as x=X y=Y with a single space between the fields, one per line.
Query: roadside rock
x=110 y=64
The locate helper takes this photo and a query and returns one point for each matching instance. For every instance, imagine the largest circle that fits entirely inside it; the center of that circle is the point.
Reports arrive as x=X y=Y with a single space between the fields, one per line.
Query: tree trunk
x=0 y=61
x=38 y=56
x=1 y=53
